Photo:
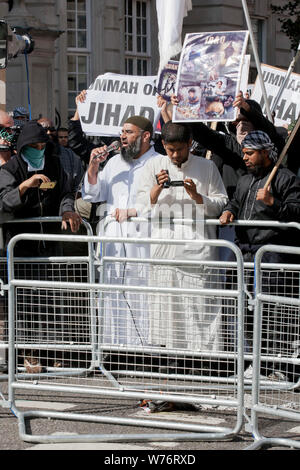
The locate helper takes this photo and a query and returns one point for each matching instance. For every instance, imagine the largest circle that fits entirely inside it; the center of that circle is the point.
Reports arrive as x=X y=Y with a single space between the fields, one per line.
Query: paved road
x=211 y=417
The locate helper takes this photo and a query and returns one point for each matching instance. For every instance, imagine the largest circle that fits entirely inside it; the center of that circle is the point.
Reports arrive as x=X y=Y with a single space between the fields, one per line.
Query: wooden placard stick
x=283 y=153
x=213 y=126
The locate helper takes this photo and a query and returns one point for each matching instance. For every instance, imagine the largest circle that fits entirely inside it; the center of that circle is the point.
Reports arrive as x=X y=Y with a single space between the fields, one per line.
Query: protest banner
x=113 y=98
x=288 y=107
x=209 y=76
x=166 y=84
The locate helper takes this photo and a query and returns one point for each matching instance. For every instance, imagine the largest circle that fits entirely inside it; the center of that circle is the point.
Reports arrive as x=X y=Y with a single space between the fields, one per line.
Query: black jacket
x=293 y=159
x=285 y=188
x=35 y=202
x=228 y=152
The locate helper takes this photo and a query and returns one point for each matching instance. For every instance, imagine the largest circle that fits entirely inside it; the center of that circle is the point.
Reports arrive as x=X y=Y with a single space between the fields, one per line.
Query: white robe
x=178 y=321
x=124 y=316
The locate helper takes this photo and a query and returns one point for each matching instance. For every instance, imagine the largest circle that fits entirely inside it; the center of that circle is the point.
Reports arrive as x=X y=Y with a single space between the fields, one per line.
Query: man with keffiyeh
x=251 y=201
x=280 y=201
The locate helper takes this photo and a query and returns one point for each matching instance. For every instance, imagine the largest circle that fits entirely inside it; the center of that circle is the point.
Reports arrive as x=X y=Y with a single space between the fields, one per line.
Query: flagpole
x=257 y=60
x=283 y=153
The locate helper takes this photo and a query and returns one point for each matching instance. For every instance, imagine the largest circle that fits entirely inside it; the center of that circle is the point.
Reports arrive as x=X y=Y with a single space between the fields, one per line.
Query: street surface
x=29 y=401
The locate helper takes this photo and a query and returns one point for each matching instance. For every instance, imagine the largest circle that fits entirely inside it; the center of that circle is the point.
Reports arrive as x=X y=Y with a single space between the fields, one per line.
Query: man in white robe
x=179 y=321
x=125 y=316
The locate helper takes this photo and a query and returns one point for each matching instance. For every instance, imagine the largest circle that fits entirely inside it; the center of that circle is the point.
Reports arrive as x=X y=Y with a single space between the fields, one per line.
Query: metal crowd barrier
x=96 y=361
x=208 y=373
x=55 y=268
x=276 y=331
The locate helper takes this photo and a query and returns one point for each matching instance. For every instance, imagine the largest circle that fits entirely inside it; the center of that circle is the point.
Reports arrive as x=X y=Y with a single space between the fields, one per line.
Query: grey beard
x=132 y=151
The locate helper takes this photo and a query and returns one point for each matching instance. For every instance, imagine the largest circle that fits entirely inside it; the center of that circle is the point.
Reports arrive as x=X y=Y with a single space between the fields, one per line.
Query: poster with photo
x=167 y=80
x=209 y=76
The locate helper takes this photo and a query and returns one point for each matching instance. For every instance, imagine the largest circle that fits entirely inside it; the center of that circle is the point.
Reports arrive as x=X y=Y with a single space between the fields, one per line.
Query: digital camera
x=169 y=183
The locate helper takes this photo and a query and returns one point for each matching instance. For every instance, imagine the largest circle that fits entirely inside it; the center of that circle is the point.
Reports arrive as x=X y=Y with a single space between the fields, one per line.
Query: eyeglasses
x=130 y=132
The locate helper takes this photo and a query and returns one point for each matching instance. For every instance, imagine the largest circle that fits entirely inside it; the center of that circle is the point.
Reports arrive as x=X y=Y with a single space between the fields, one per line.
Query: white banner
x=166 y=82
x=288 y=107
x=113 y=98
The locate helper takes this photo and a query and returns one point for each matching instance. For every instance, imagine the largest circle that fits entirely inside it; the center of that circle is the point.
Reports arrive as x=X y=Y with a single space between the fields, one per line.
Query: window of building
x=137 y=37
x=78 y=57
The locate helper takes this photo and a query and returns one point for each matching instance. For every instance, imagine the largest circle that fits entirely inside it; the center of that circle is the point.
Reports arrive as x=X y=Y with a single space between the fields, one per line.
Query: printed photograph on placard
x=209 y=76
x=167 y=80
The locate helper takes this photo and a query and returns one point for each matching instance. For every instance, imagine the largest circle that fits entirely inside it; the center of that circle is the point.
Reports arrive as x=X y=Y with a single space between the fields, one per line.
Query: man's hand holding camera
x=191 y=189
x=163 y=178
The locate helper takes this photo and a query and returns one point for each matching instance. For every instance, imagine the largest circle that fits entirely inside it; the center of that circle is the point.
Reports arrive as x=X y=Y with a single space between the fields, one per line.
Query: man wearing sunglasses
x=6 y=137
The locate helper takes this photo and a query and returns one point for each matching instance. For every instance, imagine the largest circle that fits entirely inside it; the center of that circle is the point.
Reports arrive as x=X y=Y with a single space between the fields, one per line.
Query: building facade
x=76 y=40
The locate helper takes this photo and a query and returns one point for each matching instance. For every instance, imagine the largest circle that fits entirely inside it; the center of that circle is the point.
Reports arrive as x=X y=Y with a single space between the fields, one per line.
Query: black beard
x=132 y=151
x=258 y=171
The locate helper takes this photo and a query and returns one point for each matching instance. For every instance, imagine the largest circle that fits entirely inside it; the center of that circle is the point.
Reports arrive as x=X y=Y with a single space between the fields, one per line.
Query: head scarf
x=258 y=140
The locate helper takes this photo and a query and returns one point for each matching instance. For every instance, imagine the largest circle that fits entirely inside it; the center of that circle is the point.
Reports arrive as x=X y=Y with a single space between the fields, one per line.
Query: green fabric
x=34 y=156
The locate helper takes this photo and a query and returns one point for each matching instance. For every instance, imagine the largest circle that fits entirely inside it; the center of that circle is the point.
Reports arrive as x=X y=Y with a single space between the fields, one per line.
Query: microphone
x=113 y=146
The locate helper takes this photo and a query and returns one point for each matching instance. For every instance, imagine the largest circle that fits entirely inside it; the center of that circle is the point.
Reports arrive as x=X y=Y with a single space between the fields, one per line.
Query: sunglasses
x=6 y=134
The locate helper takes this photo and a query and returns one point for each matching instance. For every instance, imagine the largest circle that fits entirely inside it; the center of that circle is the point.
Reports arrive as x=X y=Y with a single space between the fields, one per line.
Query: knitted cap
x=141 y=122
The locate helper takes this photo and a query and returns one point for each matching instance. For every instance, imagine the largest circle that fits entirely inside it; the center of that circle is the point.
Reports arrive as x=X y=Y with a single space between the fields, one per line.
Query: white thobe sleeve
x=147 y=181
x=216 y=198
x=95 y=192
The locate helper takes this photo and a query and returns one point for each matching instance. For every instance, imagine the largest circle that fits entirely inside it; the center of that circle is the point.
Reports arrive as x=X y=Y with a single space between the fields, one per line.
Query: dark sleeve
x=67 y=193
x=233 y=206
x=287 y=196
x=224 y=145
x=80 y=145
x=9 y=193
x=78 y=141
x=260 y=122
x=293 y=159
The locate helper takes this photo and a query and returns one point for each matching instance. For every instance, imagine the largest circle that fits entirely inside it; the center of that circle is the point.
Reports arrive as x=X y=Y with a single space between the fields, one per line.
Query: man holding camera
x=181 y=181
x=182 y=186
x=6 y=137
